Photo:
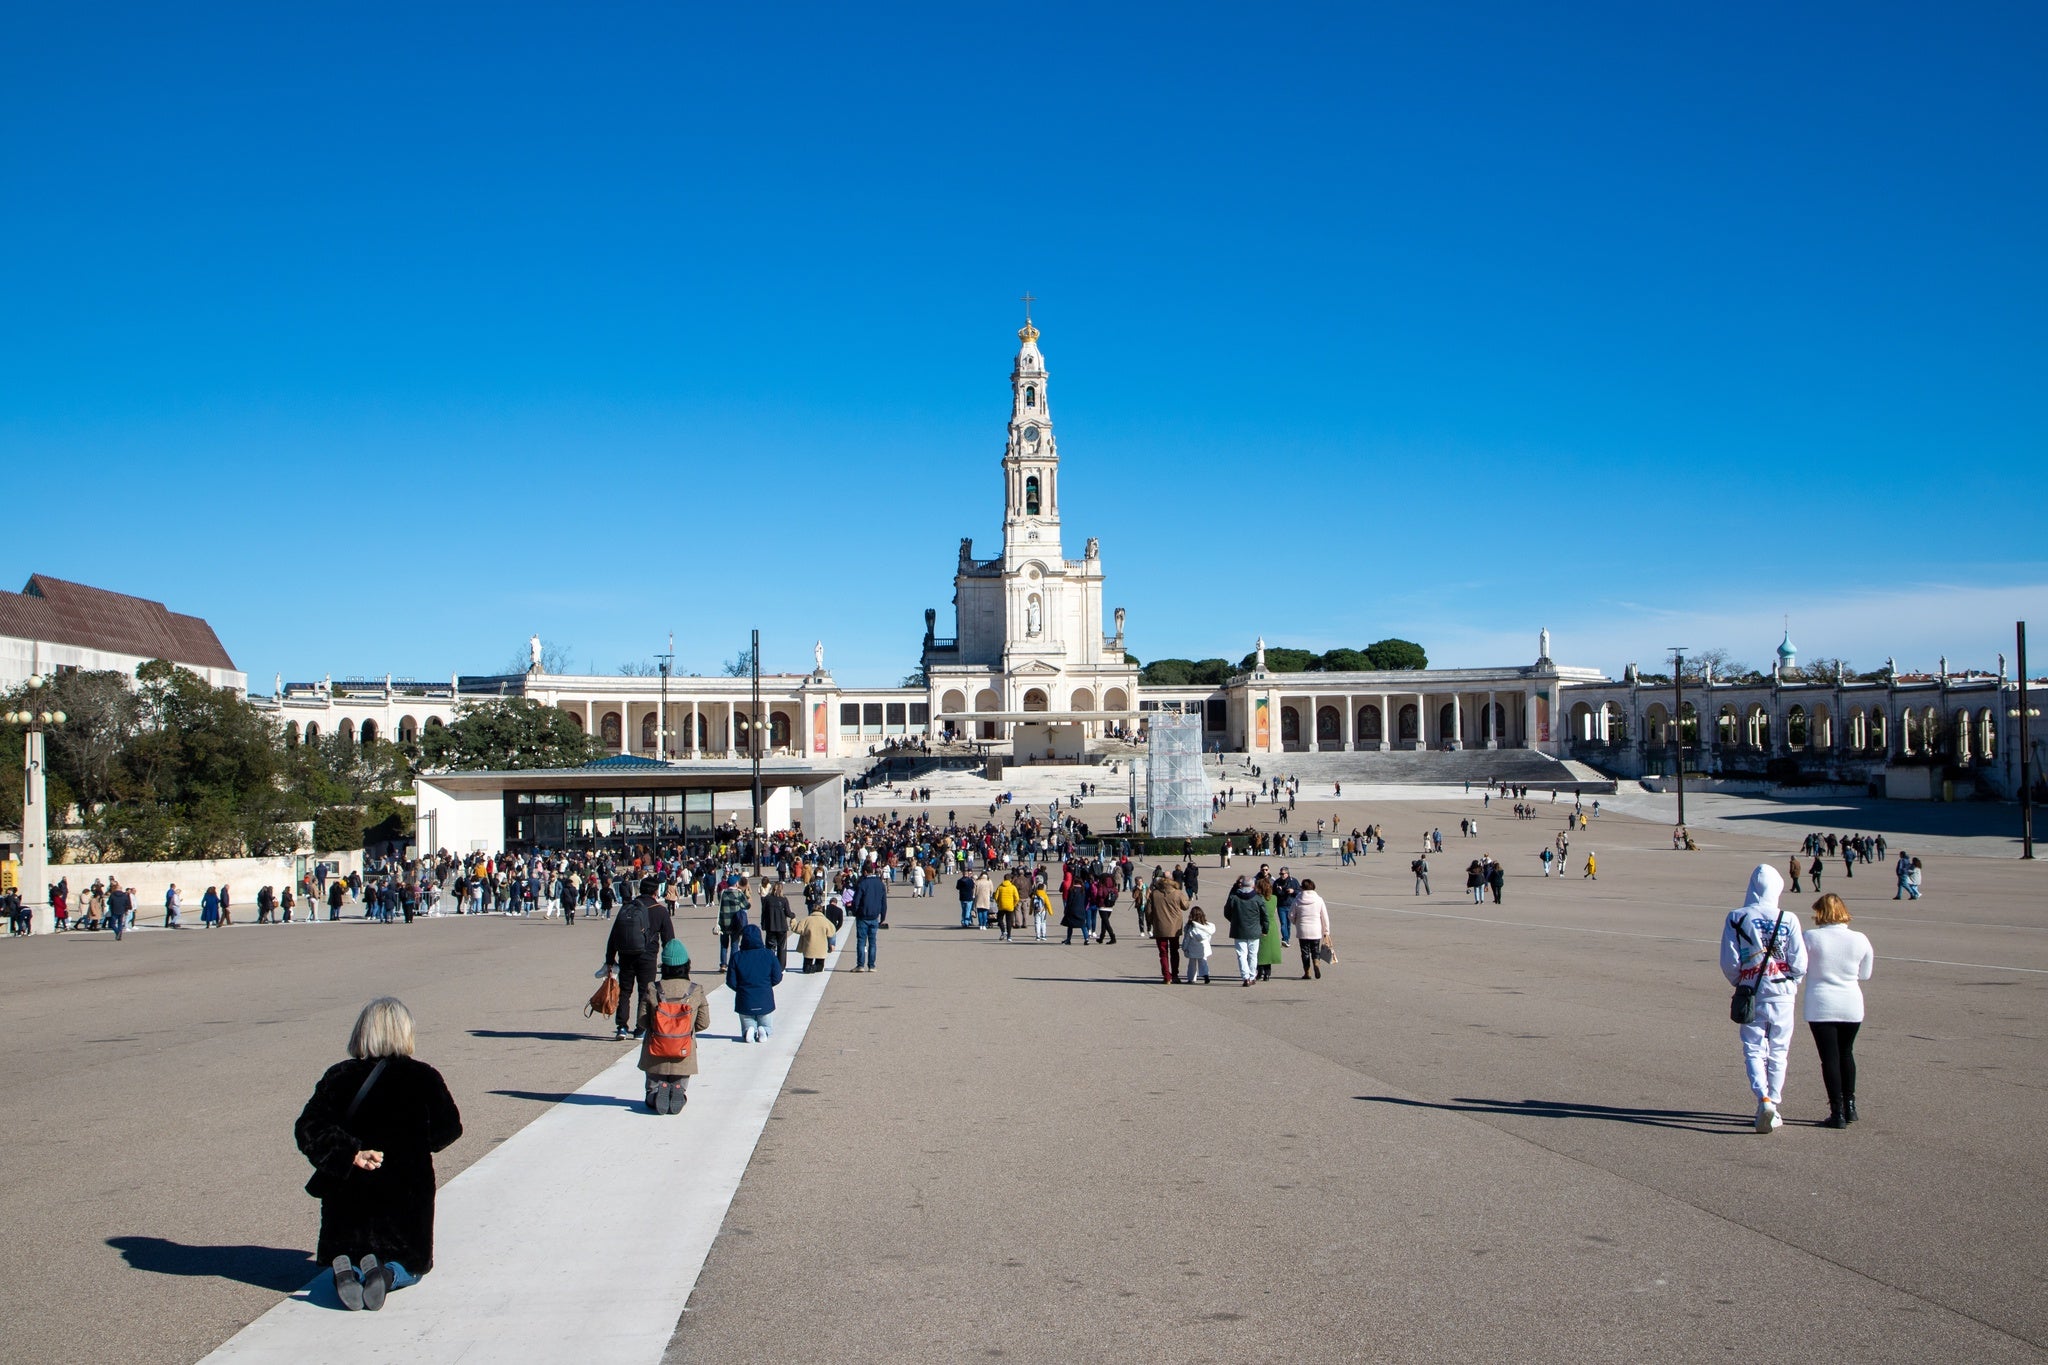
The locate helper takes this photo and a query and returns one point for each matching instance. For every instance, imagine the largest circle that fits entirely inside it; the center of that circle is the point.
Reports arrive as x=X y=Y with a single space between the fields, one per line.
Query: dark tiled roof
x=93 y=618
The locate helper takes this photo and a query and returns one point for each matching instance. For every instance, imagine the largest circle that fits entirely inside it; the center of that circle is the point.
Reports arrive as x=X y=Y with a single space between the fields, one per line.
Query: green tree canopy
x=508 y=733
x=1396 y=653
x=1186 y=672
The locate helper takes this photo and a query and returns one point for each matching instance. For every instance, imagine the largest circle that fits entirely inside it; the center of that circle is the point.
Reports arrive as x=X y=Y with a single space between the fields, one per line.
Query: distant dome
x=1787 y=651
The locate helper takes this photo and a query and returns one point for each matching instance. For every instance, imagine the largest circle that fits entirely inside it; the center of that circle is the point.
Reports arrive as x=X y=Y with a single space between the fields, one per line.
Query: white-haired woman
x=371 y=1131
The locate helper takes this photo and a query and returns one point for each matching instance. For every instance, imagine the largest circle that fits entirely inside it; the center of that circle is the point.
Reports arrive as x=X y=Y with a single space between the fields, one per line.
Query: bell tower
x=1031 y=461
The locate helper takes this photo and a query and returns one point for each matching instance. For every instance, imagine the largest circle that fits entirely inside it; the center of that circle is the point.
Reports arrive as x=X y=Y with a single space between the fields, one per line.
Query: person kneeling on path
x=752 y=977
x=669 y=1054
x=814 y=939
x=371 y=1130
x=1762 y=951
x=640 y=930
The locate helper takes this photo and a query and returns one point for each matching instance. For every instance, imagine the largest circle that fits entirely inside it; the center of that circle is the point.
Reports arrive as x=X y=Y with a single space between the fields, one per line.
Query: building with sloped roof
x=54 y=626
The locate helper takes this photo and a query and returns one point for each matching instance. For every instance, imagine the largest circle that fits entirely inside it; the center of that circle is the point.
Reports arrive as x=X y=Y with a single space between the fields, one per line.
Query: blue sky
x=384 y=337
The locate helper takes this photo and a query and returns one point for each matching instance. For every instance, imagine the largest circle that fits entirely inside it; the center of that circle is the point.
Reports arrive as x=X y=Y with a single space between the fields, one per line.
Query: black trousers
x=1837 y=1044
x=637 y=976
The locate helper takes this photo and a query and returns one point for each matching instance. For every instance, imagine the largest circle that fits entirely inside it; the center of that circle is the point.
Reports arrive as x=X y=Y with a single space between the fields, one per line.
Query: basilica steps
x=1401 y=768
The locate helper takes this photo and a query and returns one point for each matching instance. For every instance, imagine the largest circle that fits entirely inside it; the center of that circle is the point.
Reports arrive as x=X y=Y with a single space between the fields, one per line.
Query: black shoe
x=376 y=1283
x=348 y=1284
x=1834 y=1118
x=1849 y=1110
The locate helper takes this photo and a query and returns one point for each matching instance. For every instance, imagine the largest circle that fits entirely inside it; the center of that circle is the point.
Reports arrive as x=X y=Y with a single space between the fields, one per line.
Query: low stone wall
x=147 y=882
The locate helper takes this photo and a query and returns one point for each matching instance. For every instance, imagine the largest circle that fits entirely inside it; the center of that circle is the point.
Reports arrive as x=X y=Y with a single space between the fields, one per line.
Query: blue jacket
x=871 y=898
x=753 y=975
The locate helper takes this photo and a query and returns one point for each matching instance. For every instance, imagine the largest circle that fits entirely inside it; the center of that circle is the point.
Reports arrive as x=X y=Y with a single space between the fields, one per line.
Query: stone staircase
x=1400 y=768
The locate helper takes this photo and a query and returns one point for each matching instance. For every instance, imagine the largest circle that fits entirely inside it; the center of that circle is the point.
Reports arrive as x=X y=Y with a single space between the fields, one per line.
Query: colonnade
x=1492 y=718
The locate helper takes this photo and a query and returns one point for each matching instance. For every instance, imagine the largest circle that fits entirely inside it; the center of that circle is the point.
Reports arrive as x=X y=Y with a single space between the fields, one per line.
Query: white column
x=1457 y=721
x=1386 y=722
x=35 y=835
x=1347 y=724
x=731 y=730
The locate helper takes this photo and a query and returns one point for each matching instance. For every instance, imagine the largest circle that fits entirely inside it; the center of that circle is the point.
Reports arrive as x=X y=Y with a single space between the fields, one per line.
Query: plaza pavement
x=1513 y=1132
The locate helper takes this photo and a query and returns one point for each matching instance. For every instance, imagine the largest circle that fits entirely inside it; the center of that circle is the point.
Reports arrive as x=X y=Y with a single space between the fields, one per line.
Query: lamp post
x=2026 y=755
x=667 y=662
x=35 y=813
x=754 y=750
x=1678 y=719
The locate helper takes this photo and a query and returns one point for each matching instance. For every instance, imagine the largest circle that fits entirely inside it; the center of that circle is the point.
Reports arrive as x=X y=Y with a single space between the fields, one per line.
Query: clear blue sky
x=382 y=337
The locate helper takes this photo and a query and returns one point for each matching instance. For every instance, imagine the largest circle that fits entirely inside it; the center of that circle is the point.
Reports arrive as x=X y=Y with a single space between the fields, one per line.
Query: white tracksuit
x=1744 y=933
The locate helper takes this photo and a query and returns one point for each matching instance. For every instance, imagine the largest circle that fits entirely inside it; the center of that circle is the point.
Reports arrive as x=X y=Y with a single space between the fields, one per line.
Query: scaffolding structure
x=1176 y=782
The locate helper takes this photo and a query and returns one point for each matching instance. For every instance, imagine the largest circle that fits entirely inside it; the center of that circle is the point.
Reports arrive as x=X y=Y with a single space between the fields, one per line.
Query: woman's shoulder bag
x=1742 y=1005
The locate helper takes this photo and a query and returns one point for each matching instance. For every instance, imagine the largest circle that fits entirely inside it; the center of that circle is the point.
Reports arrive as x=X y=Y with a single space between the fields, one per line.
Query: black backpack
x=635 y=928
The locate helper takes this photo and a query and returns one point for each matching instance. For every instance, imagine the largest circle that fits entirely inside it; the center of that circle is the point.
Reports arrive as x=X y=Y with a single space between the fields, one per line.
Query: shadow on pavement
x=558 y=1097
x=523 y=1033
x=275 y=1268
x=1690 y=1120
x=1099 y=980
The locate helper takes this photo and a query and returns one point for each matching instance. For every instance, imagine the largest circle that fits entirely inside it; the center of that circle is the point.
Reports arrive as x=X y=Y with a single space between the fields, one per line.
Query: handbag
x=1326 y=955
x=1742 y=1005
x=606 y=998
x=321 y=1184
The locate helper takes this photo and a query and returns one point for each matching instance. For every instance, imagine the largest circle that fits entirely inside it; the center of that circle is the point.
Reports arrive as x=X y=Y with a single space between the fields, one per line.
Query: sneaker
x=620 y=1035
x=1767 y=1117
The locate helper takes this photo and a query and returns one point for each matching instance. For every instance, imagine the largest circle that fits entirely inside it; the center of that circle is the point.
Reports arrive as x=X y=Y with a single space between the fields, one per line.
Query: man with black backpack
x=639 y=930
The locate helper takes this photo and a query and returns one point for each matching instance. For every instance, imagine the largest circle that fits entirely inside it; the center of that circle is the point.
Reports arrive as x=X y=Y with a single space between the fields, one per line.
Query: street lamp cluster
x=35 y=816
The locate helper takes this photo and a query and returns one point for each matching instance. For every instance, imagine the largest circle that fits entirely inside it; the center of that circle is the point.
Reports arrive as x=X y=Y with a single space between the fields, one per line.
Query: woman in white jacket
x=1311 y=928
x=1838 y=959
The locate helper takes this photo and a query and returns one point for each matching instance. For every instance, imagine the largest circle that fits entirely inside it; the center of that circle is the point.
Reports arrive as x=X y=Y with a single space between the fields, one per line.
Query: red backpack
x=671 y=1031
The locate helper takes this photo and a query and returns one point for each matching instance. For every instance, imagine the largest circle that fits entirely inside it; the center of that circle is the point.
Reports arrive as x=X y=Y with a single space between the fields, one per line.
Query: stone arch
x=346 y=731
x=650 y=732
x=408 y=730
x=291 y=734
x=1756 y=728
x=1880 y=732
x=1498 y=731
x=1656 y=726
x=1796 y=728
x=1082 y=700
x=1688 y=725
x=742 y=732
x=1370 y=726
x=1031 y=395
x=312 y=732
x=778 y=729
x=1962 y=742
x=1858 y=731
x=576 y=716
x=1617 y=722
x=1446 y=722
x=953 y=703
x=1410 y=721
x=1036 y=700
x=1031 y=499
x=1329 y=728
x=1582 y=722
x=609 y=730
x=987 y=700
x=1821 y=728
x=1987 y=735
x=1290 y=725
x=1116 y=699
x=1727 y=727
x=370 y=733
x=434 y=722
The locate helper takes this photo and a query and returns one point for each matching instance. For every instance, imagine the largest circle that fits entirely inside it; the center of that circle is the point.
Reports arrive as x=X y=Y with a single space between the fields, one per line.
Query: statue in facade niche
x=1031 y=621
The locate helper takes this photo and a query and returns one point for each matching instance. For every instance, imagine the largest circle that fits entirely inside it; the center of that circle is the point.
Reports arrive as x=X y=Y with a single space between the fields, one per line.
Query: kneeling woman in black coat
x=371 y=1131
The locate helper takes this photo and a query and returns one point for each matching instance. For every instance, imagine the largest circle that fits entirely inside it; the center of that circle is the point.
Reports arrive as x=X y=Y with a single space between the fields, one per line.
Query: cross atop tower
x=1028 y=299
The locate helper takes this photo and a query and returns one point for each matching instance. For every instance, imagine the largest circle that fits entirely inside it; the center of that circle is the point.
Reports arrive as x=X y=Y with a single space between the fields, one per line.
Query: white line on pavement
x=582 y=1235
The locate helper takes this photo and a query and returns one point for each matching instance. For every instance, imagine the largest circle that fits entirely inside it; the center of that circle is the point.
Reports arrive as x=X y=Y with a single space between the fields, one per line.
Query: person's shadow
x=565 y=1097
x=1689 y=1120
x=279 y=1269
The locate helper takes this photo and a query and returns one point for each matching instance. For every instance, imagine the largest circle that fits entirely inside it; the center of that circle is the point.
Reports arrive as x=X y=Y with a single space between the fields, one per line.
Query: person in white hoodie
x=1839 y=959
x=1761 y=946
x=1311 y=928
x=1194 y=945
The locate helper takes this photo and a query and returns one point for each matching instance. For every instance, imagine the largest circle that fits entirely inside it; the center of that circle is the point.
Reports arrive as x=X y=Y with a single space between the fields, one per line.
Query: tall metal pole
x=754 y=745
x=1678 y=719
x=2026 y=757
x=667 y=662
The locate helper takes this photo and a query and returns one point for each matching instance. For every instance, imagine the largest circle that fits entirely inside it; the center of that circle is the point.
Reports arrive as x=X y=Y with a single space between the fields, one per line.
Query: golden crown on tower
x=1027 y=333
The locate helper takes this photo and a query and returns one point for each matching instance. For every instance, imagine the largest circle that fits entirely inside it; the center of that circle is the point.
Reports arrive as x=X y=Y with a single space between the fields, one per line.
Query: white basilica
x=1031 y=653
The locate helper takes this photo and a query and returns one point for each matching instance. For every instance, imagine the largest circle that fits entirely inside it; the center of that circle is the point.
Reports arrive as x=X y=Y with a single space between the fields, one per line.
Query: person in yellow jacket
x=1592 y=871
x=1006 y=897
